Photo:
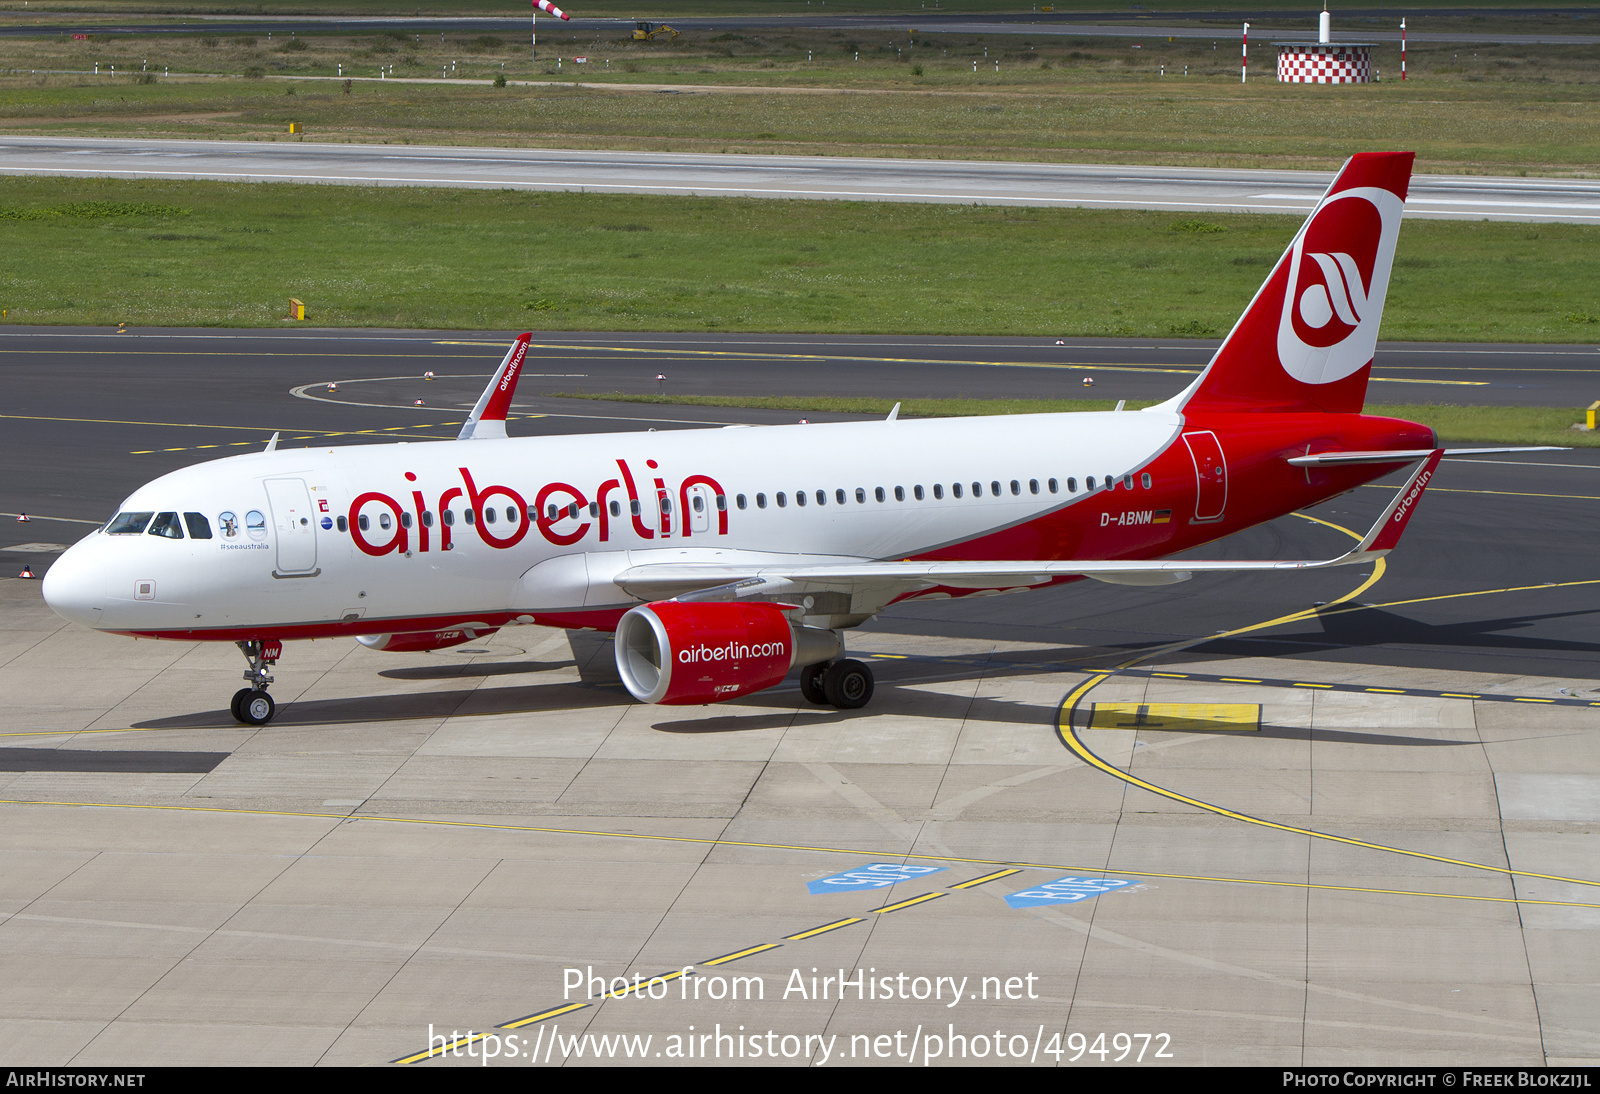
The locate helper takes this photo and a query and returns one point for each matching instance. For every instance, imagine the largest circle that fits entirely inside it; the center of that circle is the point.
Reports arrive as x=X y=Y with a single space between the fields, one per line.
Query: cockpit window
x=166 y=524
x=128 y=524
x=199 y=526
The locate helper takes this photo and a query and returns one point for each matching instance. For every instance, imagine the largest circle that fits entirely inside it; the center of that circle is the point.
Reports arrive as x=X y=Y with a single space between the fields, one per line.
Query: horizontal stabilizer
x=1411 y=455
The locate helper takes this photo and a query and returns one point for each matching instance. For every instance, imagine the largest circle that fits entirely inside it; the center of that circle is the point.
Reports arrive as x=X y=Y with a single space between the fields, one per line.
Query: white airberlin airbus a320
x=725 y=558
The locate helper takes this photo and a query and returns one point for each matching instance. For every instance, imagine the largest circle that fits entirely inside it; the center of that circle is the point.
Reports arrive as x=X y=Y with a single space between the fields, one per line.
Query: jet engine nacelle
x=422 y=641
x=695 y=653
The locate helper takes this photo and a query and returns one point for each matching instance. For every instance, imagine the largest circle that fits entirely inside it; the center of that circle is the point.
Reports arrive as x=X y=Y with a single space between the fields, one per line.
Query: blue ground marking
x=1066 y=890
x=874 y=875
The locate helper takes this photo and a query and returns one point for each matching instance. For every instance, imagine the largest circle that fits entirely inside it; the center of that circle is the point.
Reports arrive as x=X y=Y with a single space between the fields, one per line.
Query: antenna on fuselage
x=272 y=445
x=893 y=414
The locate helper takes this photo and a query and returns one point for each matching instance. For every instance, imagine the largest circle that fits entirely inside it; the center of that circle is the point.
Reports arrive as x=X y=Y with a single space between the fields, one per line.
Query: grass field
x=1494 y=109
x=1475 y=424
x=231 y=254
x=678 y=9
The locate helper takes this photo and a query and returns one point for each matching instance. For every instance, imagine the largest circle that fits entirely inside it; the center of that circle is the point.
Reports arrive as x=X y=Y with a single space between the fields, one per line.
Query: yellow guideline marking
x=854 y=852
x=824 y=929
x=1504 y=493
x=530 y=1019
x=1177 y=717
x=996 y=876
x=725 y=958
x=1069 y=737
x=908 y=903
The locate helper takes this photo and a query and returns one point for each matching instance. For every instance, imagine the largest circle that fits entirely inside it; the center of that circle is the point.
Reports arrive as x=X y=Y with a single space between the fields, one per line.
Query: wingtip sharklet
x=1386 y=532
x=488 y=418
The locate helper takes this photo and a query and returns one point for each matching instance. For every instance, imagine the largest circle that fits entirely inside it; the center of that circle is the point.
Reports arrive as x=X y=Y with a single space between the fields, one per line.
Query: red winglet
x=488 y=417
x=1386 y=532
x=510 y=370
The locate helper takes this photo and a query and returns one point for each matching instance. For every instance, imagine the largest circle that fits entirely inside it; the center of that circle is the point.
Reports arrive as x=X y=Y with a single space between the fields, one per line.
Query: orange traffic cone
x=27 y=571
x=22 y=518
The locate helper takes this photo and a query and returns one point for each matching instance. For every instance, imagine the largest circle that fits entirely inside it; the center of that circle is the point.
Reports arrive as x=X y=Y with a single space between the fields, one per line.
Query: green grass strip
x=515 y=260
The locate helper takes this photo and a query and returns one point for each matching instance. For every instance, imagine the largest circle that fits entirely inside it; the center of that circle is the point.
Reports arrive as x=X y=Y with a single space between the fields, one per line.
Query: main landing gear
x=252 y=705
x=844 y=684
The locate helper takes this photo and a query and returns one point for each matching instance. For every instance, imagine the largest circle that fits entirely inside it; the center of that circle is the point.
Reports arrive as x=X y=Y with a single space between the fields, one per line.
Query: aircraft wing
x=733 y=581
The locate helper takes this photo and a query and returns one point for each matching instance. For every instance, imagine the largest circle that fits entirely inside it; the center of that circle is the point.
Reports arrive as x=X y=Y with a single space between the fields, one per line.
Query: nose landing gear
x=252 y=705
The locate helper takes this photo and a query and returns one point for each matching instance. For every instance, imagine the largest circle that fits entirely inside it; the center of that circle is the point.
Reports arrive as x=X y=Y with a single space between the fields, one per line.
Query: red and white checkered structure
x=1324 y=63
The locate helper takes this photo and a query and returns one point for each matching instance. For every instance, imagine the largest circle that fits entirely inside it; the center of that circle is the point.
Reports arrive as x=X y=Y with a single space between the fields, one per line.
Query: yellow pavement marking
x=554 y=1012
x=770 y=355
x=709 y=842
x=824 y=929
x=1069 y=737
x=908 y=903
x=997 y=875
x=725 y=958
x=1500 y=493
x=1177 y=717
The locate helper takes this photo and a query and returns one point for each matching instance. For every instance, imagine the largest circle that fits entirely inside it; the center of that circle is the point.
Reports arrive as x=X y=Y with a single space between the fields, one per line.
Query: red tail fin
x=1307 y=339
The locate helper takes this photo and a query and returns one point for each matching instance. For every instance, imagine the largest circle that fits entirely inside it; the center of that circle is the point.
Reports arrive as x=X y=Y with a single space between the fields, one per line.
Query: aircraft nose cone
x=74 y=588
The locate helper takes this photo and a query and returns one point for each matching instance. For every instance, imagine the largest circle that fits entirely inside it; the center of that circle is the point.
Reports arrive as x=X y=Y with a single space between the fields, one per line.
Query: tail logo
x=1338 y=278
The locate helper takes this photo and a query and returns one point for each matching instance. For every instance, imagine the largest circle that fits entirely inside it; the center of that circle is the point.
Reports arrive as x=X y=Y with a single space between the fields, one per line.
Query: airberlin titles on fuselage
x=554 y=504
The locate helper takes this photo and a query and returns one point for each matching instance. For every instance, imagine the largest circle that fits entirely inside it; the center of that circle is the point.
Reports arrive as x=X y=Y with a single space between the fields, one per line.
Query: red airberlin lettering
x=397 y=542
x=558 y=512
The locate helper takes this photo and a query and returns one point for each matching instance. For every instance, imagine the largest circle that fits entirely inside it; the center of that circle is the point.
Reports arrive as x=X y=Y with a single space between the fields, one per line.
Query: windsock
x=547 y=6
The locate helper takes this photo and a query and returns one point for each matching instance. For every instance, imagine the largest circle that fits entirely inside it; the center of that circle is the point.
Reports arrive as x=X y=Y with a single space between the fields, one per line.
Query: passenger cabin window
x=615 y=507
x=938 y=491
x=761 y=501
x=838 y=496
x=128 y=524
x=878 y=493
x=799 y=497
x=955 y=489
x=167 y=526
x=1144 y=480
x=899 y=493
x=861 y=496
x=405 y=520
x=739 y=500
x=782 y=500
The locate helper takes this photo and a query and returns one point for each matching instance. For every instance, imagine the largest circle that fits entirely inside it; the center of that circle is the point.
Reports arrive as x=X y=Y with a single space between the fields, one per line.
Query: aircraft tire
x=848 y=685
x=811 y=683
x=256 y=708
x=234 y=704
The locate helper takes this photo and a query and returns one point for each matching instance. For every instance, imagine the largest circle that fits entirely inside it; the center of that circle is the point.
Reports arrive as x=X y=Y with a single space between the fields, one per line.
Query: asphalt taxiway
x=1353 y=814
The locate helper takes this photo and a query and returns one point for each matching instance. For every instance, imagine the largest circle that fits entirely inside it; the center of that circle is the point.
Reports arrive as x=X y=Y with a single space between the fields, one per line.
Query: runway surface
x=784 y=176
x=814 y=177
x=1371 y=842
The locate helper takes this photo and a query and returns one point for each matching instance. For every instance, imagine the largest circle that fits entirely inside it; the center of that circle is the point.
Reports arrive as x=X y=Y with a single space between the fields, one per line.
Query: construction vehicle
x=649 y=32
